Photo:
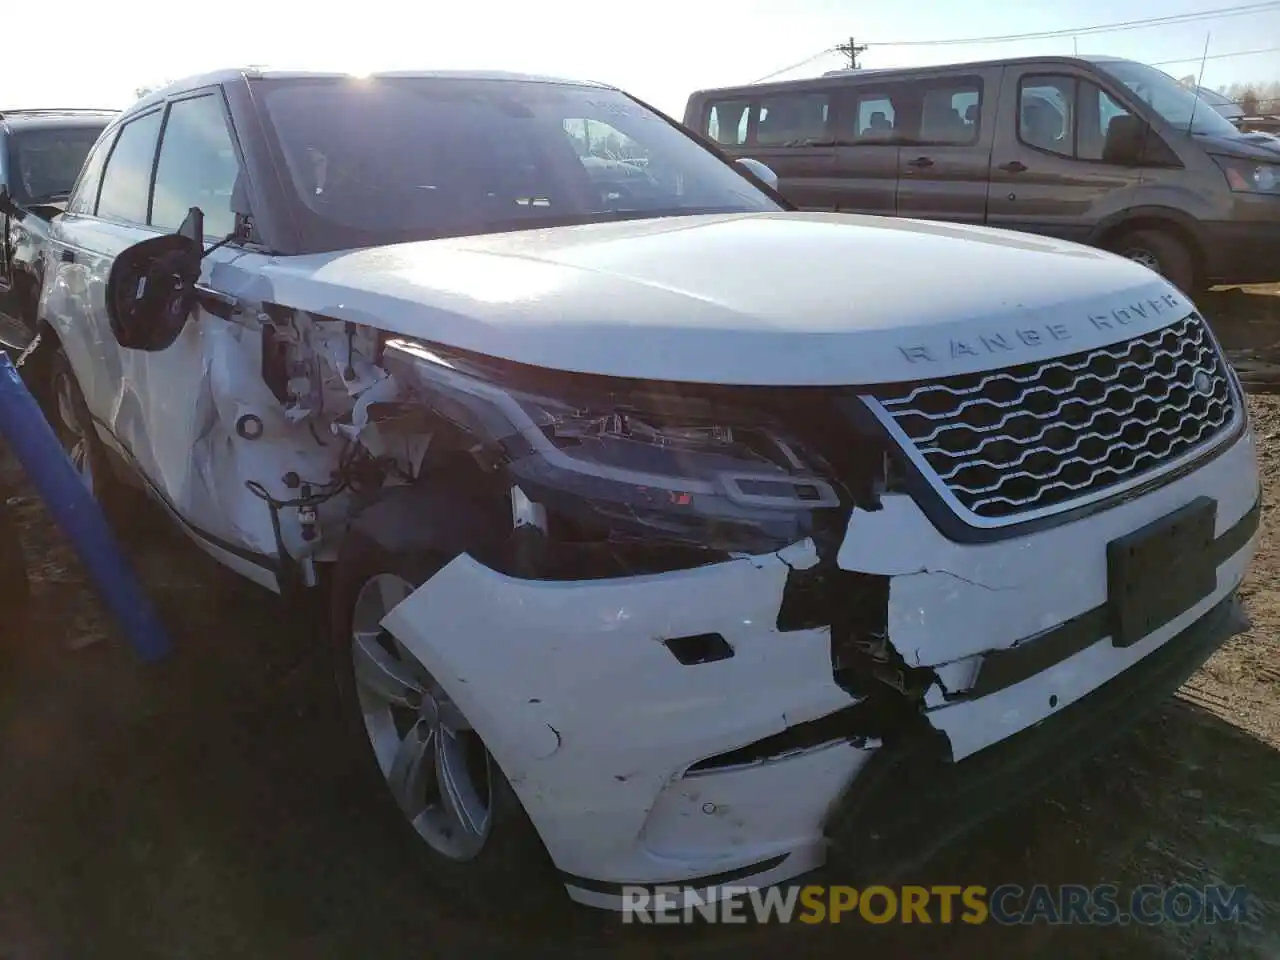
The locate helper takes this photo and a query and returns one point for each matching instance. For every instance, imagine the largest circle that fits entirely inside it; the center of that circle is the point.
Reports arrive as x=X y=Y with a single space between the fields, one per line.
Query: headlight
x=1248 y=176
x=634 y=462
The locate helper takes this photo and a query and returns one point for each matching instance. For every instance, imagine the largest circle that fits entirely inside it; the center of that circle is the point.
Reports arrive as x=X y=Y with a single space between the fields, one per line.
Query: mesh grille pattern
x=1040 y=435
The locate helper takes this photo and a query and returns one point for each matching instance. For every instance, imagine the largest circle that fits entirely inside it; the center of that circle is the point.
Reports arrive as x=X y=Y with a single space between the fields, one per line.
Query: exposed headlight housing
x=630 y=460
x=1249 y=176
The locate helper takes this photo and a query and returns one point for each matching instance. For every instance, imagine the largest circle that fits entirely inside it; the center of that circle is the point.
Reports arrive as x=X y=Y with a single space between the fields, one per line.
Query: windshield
x=1176 y=104
x=47 y=160
x=392 y=158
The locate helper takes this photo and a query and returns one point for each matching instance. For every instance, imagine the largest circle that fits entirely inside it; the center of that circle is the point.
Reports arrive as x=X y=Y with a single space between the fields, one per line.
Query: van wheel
x=438 y=792
x=1162 y=252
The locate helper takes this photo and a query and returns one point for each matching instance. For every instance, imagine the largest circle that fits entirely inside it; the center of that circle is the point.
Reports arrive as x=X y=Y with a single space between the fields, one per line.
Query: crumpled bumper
x=637 y=768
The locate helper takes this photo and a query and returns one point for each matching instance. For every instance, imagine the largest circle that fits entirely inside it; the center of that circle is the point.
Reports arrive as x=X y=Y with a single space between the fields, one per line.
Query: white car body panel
x=782 y=299
x=606 y=787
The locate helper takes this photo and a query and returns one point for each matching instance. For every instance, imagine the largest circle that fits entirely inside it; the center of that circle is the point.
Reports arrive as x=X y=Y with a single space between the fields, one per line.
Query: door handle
x=68 y=256
x=920 y=162
x=1013 y=166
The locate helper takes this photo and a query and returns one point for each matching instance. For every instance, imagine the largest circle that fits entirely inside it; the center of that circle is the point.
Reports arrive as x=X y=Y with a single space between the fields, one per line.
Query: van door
x=867 y=135
x=1048 y=173
x=791 y=132
x=944 y=163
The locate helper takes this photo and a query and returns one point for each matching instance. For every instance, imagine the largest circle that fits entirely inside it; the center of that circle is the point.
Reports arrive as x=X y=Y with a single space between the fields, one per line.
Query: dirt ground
x=192 y=809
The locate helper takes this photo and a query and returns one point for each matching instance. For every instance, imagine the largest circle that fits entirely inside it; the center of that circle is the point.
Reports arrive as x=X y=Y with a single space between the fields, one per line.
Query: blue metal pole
x=36 y=446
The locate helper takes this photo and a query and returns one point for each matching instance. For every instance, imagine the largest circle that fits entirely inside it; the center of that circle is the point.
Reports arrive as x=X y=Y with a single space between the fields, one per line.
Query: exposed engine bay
x=612 y=477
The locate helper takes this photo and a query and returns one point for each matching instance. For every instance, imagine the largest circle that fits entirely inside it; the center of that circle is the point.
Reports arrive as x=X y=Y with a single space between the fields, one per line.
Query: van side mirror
x=760 y=171
x=6 y=202
x=151 y=288
x=1127 y=140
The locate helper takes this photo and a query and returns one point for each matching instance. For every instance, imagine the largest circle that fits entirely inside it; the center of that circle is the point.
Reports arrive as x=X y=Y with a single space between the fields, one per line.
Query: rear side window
x=85 y=196
x=951 y=112
x=874 y=117
x=792 y=119
x=126 y=184
x=727 y=122
x=197 y=167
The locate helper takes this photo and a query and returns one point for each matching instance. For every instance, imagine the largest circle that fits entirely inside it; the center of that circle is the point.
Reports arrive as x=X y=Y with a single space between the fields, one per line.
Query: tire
x=125 y=508
x=1162 y=252
x=502 y=866
x=69 y=416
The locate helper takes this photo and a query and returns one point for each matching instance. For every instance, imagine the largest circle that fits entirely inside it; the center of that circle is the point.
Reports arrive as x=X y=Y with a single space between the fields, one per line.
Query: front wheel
x=1162 y=252
x=435 y=784
x=70 y=419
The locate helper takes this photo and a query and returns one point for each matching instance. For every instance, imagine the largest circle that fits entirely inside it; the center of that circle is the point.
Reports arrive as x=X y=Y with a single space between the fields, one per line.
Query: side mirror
x=760 y=171
x=6 y=202
x=152 y=287
x=1126 y=143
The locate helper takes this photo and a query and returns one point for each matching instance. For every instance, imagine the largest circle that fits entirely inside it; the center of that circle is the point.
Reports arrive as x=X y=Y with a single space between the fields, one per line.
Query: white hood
x=763 y=299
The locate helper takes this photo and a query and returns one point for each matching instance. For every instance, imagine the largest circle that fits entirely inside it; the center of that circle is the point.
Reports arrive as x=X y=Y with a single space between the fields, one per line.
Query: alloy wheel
x=435 y=765
x=1144 y=257
x=72 y=432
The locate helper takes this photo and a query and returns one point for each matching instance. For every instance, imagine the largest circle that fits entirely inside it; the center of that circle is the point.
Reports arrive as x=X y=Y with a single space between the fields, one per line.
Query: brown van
x=1099 y=150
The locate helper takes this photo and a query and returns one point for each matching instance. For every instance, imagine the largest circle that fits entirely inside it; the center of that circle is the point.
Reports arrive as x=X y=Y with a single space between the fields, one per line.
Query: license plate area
x=1161 y=571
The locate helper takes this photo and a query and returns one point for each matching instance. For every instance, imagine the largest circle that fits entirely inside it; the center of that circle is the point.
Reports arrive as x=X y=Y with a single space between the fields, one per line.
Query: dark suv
x=41 y=152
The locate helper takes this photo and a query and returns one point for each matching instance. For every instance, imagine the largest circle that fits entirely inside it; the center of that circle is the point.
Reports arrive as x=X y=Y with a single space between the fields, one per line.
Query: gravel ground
x=192 y=810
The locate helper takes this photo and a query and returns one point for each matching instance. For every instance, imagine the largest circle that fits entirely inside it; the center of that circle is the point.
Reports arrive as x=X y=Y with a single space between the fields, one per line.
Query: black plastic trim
x=614 y=889
x=1004 y=668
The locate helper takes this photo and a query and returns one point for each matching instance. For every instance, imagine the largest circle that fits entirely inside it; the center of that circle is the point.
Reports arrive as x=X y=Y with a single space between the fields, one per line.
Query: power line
x=1053 y=34
x=1143 y=23
x=795 y=66
x=1217 y=56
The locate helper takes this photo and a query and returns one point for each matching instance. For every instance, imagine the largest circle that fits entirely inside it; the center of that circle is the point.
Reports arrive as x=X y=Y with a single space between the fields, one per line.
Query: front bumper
x=629 y=762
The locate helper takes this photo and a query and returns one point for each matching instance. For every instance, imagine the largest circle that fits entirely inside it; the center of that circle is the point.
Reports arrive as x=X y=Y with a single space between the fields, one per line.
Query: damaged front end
x=709 y=630
x=609 y=478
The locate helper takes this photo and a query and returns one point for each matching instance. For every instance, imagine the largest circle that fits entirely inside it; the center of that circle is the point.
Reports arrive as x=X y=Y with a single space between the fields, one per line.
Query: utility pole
x=851 y=50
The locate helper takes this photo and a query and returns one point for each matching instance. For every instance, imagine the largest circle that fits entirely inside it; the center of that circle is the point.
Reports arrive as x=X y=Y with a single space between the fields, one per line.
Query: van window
x=874 y=117
x=950 y=112
x=1066 y=116
x=1046 y=113
x=727 y=122
x=1097 y=110
x=792 y=119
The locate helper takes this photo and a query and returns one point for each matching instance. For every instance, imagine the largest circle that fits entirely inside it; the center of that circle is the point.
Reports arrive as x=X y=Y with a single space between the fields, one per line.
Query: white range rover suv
x=670 y=535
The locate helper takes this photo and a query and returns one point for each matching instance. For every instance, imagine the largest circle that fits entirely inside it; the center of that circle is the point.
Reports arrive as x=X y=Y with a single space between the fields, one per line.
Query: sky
x=659 y=50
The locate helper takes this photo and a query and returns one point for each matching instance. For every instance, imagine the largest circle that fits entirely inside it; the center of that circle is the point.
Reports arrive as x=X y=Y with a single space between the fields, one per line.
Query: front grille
x=1040 y=436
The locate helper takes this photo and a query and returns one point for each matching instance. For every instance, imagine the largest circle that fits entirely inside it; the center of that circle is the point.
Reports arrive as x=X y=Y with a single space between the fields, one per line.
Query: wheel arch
x=1185 y=228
